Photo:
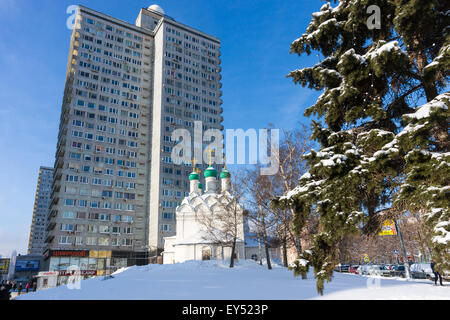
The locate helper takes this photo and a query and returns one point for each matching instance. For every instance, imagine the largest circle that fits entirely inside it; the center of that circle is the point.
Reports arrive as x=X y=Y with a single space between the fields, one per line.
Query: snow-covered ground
x=213 y=280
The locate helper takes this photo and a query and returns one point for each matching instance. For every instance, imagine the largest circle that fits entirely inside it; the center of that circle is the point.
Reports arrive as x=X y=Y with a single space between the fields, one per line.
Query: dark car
x=386 y=270
x=344 y=268
x=398 y=271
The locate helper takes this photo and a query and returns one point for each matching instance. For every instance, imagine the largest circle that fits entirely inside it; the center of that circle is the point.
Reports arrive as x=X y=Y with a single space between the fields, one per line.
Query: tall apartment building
x=36 y=244
x=127 y=88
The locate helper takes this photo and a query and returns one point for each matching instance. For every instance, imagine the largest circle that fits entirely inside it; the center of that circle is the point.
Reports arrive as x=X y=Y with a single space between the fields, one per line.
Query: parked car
x=386 y=270
x=398 y=271
x=354 y=269
x=342 y=268
x=376 y=270
x=345 y=267
x=421 y=271
x=364 y=269
x=371 y=269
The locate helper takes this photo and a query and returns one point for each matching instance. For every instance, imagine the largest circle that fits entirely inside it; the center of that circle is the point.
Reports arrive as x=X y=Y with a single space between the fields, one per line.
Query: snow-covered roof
x=207 y=200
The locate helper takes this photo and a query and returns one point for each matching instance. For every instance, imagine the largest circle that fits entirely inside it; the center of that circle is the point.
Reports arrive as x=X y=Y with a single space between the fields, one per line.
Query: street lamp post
x=405 y=257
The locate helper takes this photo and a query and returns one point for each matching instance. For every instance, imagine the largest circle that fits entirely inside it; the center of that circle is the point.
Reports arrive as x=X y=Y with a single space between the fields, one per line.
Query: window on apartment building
x=116 y=230
x=166 y=227
x=105 y=217
x=69 y=202
x=127 y=242
x=68 y=215
x=81 y=215
x=127 y=219
x=93 y=216
x=67 y=227
x=103 y=229
x=102 y=241
x=65 y=240
x=82 y=203
x=91 y=241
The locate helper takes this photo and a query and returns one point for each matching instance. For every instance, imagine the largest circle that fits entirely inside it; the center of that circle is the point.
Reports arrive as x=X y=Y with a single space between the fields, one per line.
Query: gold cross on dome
x=193 y=164
x=224 y=162
x=210 y=151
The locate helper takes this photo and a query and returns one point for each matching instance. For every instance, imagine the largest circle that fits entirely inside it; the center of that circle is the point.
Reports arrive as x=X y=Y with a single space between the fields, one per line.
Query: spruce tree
x=370 y=79
x=424 y=144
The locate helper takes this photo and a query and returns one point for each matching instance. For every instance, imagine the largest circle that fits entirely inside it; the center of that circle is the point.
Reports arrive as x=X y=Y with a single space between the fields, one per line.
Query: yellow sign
x=99 y=254
x=388 y=228
x=4 y=266
x=366 y=258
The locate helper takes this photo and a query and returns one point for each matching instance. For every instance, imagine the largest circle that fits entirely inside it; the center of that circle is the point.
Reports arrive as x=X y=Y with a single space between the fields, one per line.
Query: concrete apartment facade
x=128 y=87
x=36 y=244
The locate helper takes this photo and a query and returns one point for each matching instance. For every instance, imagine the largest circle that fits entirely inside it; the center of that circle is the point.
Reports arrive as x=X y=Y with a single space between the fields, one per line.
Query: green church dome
x=194 y=176
x=200 y=186
x=210 y=172
x=225 y=174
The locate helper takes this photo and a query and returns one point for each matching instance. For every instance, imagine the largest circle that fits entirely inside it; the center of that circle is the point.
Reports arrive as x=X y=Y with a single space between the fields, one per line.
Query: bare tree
x=380 y=249
x=261 y=217
x=293 y=146
x=224 y=225
x=277 y=221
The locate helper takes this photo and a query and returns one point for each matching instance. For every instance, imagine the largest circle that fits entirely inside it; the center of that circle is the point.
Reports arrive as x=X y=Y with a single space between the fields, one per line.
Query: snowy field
x=213 y=280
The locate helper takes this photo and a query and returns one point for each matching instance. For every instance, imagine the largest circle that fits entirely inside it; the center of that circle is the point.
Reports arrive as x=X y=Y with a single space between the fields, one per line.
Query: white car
x=421 y=271
x=376 y=270
x=371 y=269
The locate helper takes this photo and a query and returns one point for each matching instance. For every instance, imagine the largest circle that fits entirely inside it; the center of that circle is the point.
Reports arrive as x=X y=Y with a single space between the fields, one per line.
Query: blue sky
x=34 y=45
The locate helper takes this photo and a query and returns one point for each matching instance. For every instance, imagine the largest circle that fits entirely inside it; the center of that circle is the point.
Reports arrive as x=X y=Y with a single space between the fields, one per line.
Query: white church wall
x=191 y=239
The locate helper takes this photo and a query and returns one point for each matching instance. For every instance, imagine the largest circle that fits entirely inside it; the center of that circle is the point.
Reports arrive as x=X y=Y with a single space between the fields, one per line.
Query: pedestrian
x=3 y=293
x=27 y=287
x=8 y=289
x=436 y=274
x=34 y=286
x=19 y=288
x=14 y=286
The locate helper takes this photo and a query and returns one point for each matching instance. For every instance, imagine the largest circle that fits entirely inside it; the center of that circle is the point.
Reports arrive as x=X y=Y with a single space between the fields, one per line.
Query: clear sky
x=34 y=44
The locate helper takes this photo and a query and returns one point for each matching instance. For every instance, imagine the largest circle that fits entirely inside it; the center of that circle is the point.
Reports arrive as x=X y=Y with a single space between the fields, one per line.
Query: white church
x=193 y=240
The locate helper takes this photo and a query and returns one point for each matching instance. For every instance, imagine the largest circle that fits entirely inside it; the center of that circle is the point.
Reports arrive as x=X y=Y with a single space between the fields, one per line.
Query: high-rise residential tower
x=36 y=244
x=127 y=88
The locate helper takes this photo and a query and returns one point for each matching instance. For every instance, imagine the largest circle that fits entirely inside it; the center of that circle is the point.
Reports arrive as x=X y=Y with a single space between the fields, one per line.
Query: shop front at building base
x=51 y=279
x=103 y=262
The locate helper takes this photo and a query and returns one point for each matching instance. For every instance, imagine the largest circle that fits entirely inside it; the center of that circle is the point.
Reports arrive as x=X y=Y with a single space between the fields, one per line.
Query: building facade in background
x=36 y=244
x=128 y=87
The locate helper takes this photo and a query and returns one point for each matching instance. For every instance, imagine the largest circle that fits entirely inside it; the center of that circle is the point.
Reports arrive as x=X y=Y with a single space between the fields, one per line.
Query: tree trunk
x=405 y=256
x=285 y=257
x=298 y=245
x=269 y=265
x=233 y=249
x=428 y=86
x=430 y=91
x=259 y=250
